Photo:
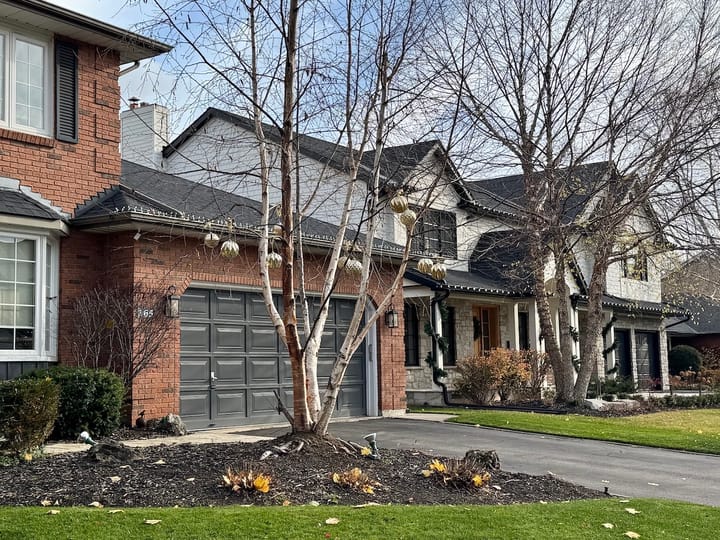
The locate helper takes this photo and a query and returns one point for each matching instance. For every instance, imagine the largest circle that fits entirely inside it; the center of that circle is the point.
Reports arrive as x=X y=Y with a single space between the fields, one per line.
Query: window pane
x=7 y=315
x=25 y=272
x=7 y=247
x=7 y=293
x=24 y=339
x=25 y=294
x=6 y=338
x=26 y=250
x=24 y=316
x=7 y=270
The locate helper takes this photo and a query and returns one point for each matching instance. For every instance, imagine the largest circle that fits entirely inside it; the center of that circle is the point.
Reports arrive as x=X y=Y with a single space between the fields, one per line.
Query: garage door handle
x=212 y=376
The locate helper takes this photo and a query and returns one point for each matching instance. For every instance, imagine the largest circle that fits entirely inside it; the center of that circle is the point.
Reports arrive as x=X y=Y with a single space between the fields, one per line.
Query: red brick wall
x=68 y=174
x=161 y=263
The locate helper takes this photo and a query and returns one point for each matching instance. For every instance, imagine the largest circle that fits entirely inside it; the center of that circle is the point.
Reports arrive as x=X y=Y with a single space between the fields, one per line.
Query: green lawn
x=696 y=430
x=584 y=519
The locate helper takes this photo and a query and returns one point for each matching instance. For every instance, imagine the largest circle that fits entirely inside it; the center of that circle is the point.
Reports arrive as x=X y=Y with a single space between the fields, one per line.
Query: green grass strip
x=583 y=519
x=695 y=430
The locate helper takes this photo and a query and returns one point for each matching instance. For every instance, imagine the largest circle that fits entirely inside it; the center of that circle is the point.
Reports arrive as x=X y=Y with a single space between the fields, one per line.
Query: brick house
x=59 y=135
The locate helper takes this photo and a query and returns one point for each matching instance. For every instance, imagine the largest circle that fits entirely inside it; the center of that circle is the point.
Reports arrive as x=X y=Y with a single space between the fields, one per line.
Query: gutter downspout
x=127 y=70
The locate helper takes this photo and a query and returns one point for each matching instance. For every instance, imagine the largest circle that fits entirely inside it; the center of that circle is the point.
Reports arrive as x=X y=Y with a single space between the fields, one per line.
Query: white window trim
x=43 y=351
x=8 y=118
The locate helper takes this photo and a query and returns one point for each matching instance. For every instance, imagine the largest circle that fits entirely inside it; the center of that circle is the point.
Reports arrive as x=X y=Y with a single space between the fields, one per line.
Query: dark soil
x=191 y=475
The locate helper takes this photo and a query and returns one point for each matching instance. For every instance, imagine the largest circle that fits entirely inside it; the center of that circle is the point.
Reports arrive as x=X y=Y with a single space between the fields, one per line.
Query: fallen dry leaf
x=313 y=503
x=114 y=479
x=366 y=505
x=190 y=479
x=152 y=521
x=631 y=534
x=159 y=462
x=608 y=525
x=652 y=484
x=624 y=501
x=45 y=502
x=96 y=504
x=116 y=511
x=332 y=521
x=53 y=512
x=632 y=511
x=495 y=486
x=286 y=503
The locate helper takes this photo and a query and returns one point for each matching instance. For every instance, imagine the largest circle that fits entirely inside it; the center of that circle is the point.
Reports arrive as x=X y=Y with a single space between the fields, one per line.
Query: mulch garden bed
x=191 y=475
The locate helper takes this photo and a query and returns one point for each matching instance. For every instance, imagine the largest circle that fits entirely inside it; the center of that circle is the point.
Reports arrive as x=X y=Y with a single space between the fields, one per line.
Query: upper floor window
x=436 y=233
x=636 y=266
x=24 y=83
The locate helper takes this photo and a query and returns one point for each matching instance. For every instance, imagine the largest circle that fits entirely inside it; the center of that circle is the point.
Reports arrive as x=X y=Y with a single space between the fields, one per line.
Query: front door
x=648 y=360
x=486 y=329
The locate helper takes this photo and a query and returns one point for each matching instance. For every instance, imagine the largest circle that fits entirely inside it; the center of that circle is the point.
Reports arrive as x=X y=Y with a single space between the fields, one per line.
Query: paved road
x=628 y=471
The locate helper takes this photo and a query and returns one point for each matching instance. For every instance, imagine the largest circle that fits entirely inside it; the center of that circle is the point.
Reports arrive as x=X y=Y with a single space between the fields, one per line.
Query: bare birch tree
x=346 y=69
x=549 y=86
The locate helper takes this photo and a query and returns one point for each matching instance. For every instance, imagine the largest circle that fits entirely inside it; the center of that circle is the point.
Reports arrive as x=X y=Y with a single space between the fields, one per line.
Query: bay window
x=28 y=297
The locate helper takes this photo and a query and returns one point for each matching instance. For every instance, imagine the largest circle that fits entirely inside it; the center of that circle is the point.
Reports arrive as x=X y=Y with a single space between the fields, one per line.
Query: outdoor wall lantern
x=391 y=318
x=172 y=303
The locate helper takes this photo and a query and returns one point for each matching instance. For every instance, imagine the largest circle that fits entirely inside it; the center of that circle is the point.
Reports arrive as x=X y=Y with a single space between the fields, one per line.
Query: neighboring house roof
x=397 y=163
x=152 y=196
x=506 y=195
x=17 y=203
x=464 y=282
x=703 y=316
x=131 y=46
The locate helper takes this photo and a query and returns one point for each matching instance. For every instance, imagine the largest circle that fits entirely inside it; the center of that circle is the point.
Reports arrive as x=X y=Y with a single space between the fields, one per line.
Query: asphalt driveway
x=625 y=470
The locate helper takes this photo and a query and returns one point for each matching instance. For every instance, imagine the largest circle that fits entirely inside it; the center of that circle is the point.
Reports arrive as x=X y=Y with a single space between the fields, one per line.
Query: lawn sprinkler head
x=85 y=437
x=371 y=438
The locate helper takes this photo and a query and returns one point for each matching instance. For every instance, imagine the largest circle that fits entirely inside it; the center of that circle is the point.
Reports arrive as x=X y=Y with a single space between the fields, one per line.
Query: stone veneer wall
x=419 y=379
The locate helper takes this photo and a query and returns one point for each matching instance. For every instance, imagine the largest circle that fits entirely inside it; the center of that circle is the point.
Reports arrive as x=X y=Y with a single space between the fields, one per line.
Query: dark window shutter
x=66 y=92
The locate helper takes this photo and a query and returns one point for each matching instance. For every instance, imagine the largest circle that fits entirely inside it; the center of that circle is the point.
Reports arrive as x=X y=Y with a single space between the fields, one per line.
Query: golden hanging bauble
x=399 y=203
x=211 y=240
x=229 y=249
x=407 y=218
x=274 y=260
x=425 y=265
x=438 y=271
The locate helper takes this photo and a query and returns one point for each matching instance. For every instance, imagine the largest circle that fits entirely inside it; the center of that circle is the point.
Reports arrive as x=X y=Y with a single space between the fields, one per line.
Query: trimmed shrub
x=501 y=371
x=90 y=399
x=684 y=358
x=28 y=410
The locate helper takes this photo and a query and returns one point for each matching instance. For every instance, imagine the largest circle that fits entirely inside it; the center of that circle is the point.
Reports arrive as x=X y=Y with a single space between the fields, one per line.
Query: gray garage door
x=231 y=360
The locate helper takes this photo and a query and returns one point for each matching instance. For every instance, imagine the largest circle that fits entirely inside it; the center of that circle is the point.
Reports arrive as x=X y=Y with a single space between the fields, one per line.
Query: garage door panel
x=285 y=371
x=229 y=338
x=351 y=399
x=263 y=402
x=325 y=365
x=262 y=339
x=263 y=371
x=355 y=371
x=194 y=337
x=327 y=342
x=230 y=402
x=256 y=307
x=194 y=404
x=344 y=310
x=230 y=371
x=194 y=369
x=230 y=305
x=195 y=303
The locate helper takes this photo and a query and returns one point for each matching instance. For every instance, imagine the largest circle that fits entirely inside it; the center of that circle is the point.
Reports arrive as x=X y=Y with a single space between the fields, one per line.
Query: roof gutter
x=88 y=23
